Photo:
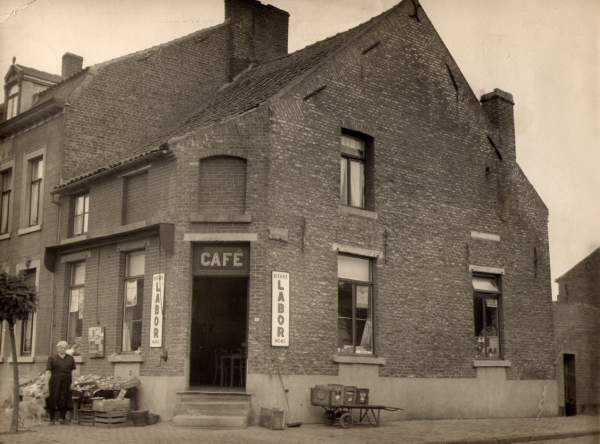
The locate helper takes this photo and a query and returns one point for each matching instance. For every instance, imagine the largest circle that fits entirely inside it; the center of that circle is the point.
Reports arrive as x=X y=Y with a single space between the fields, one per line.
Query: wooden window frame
x=6 y=188
x=71 y=286
x=85 y=214
x=483 y=296
x=127 y=278
x=14 y=98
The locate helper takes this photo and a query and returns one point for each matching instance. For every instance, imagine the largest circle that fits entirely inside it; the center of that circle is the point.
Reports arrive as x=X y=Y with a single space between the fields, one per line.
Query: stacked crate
x=336 y=395
x=111 y=412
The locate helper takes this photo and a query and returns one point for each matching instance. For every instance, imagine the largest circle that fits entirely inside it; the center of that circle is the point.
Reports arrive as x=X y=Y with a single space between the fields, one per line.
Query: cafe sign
x=280 y=327
x=221 y=260
x=156 y=319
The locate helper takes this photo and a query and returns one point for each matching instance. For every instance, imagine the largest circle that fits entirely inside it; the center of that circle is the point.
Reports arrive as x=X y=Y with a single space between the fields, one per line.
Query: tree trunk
x=14 y=425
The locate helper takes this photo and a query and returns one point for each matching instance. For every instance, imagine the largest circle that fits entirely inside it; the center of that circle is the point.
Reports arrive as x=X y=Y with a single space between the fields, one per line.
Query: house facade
x=350 y=213
x=576 y=327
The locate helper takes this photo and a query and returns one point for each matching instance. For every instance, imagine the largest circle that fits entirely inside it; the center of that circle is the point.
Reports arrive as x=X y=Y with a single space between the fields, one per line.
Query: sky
x=545 y=52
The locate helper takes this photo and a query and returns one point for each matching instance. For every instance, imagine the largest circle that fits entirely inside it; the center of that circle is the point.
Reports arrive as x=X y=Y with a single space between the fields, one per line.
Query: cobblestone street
x=580 y=429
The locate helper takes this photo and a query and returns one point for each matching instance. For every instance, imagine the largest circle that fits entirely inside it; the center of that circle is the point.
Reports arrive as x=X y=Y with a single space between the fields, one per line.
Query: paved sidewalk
x=580 y=429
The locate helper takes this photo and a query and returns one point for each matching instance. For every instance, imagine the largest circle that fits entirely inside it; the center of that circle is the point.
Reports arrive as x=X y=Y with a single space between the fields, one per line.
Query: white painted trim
x=358 y=251
x=488 y=270
x=485 y=236
x=32 y=229
x=491 y=363
x=358 y=359
x=220 y=237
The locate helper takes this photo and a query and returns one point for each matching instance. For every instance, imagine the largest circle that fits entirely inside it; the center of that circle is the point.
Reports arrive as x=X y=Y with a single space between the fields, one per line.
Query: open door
x=570 y=386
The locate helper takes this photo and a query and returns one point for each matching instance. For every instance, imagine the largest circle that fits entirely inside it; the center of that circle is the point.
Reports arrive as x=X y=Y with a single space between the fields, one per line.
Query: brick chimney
x=71 y=64
x=498 y=105
x=258 y=33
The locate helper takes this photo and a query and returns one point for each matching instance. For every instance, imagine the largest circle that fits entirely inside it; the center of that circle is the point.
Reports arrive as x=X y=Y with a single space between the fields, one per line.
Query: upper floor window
x=36 y=175
x=12 y=102
x=133 y=301
x=76 y=299
x=355 y=304
x=352 y=171
x=5 y=190
x=135 y=203
x=81 y=214
x=487 y=300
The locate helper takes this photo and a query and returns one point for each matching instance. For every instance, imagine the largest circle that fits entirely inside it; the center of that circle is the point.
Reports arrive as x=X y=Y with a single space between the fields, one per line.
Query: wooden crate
x=111 y=419
x=86 y=417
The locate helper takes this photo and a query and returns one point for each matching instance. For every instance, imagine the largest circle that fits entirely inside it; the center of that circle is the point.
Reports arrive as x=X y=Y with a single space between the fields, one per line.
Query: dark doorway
x=570 y=387
x=219 y=325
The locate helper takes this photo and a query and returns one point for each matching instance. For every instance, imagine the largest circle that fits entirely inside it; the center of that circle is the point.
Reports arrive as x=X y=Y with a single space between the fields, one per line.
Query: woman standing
x=60 y=368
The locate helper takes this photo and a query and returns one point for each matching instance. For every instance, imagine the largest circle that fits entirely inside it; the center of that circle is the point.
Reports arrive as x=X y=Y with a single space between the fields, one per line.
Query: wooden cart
x=351 y=414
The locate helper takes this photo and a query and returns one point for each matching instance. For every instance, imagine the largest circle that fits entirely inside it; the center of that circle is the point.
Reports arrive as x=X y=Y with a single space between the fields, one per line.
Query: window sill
x=125 y=357
x=216 y=217
x=491 y=363
x=73 y=239
x=32 y=229
x=4 y=236
x=358 y=359
x=353 y=211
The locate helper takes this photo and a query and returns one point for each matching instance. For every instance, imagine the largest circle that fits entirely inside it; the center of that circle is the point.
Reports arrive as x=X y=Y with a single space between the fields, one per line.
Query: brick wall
x=222 y=184
x=135 y=201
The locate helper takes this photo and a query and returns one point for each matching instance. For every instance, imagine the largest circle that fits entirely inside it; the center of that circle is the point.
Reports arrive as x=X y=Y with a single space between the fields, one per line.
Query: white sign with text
x=280 y=327
x=156 y=319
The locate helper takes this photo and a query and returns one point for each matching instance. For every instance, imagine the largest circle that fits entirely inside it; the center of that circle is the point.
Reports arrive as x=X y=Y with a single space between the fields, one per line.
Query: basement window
x=486 y=314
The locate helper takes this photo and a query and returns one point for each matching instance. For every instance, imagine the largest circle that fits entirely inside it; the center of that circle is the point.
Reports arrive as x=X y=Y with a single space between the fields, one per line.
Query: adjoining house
x=232 y=222
x=576 y=331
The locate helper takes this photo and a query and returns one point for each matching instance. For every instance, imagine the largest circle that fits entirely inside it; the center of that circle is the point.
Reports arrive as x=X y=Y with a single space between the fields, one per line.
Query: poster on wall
x=280 y=327
x=96 y=342
x=156 y=318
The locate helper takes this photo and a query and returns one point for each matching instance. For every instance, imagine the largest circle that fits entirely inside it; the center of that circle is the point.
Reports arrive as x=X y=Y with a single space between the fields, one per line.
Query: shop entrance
x=570 y=388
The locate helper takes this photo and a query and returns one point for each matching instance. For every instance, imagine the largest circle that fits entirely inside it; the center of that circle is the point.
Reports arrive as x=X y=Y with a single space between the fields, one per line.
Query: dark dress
x=59 y=386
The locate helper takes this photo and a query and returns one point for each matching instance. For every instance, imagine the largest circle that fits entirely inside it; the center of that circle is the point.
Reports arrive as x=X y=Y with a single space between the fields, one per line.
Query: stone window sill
x=72 y=239
x=491 y=363
x=125 y=357
x=216 y=217
x=342 y=209
x=28 y=230
x=23 y=359
x=358 y=359
x=4 y=236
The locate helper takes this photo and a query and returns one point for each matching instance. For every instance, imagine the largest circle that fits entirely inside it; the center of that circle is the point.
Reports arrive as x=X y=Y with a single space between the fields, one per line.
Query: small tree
x=17 y=300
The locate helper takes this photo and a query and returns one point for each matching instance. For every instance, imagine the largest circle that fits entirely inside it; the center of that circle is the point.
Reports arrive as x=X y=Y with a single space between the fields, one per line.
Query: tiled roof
x=39 y=74
x=258 y=83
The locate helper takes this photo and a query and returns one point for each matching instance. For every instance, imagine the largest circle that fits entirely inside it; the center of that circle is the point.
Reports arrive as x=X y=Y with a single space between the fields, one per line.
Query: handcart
x=347 y=405
x=349 y=415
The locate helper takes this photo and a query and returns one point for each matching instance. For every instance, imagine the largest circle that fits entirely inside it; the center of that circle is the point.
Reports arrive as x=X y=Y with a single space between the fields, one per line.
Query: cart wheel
x=330 y=417
x=346 y=420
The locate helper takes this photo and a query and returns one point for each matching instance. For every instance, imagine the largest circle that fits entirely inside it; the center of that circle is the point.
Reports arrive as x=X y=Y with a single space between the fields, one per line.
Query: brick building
x=223 y=213
x=576 y=330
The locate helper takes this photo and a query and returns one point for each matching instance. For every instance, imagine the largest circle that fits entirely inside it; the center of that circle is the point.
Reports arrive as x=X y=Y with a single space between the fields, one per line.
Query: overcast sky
x=545 y=52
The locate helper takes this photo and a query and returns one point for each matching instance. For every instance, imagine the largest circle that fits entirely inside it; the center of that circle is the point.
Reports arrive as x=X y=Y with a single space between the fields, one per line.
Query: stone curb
x=522 y=438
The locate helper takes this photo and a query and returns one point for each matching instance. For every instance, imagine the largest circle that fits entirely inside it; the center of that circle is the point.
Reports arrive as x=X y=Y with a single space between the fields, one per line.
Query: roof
x=32 y=72
x=579 y=264
x=258 y=83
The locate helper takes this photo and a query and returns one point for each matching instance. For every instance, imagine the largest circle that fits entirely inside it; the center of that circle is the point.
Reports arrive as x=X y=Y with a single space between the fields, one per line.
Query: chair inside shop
x=219 y=326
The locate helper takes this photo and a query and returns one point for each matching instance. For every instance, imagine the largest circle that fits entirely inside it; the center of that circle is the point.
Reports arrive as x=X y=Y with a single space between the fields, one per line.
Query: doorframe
x=573 y=371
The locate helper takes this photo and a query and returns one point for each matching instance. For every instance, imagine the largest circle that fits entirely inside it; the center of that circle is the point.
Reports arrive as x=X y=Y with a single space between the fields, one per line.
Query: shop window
x=27 y=328
x=12 y=102
x=5 y=190
x=133 y=301
x=355 y=305
x=487 y=316
x=80 y=214
x=35 y=175
x=76 y=298
x=135 y=203
x=223 y=185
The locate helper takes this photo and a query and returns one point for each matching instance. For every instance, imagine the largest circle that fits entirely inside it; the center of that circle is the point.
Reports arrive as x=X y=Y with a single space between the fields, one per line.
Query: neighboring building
x=348 y=213
x=577 y=332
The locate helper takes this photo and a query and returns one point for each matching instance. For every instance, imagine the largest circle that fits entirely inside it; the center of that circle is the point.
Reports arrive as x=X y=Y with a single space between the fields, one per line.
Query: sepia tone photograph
x=345 y=221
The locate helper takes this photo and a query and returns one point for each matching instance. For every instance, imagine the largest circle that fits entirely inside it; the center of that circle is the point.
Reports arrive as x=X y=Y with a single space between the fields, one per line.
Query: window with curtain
x=76 y=302
x=133 y=301
x=352 y=171
x=5 y=190
x=12 y=102
x=81 y=214
x=355 y=304
x=486 y=315
x=36 y=174
x=27 y=324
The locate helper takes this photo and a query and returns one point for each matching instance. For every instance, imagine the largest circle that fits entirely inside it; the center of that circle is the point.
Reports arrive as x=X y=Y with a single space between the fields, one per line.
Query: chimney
x=258 y=33
x=71 y=64
x=498 y=105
